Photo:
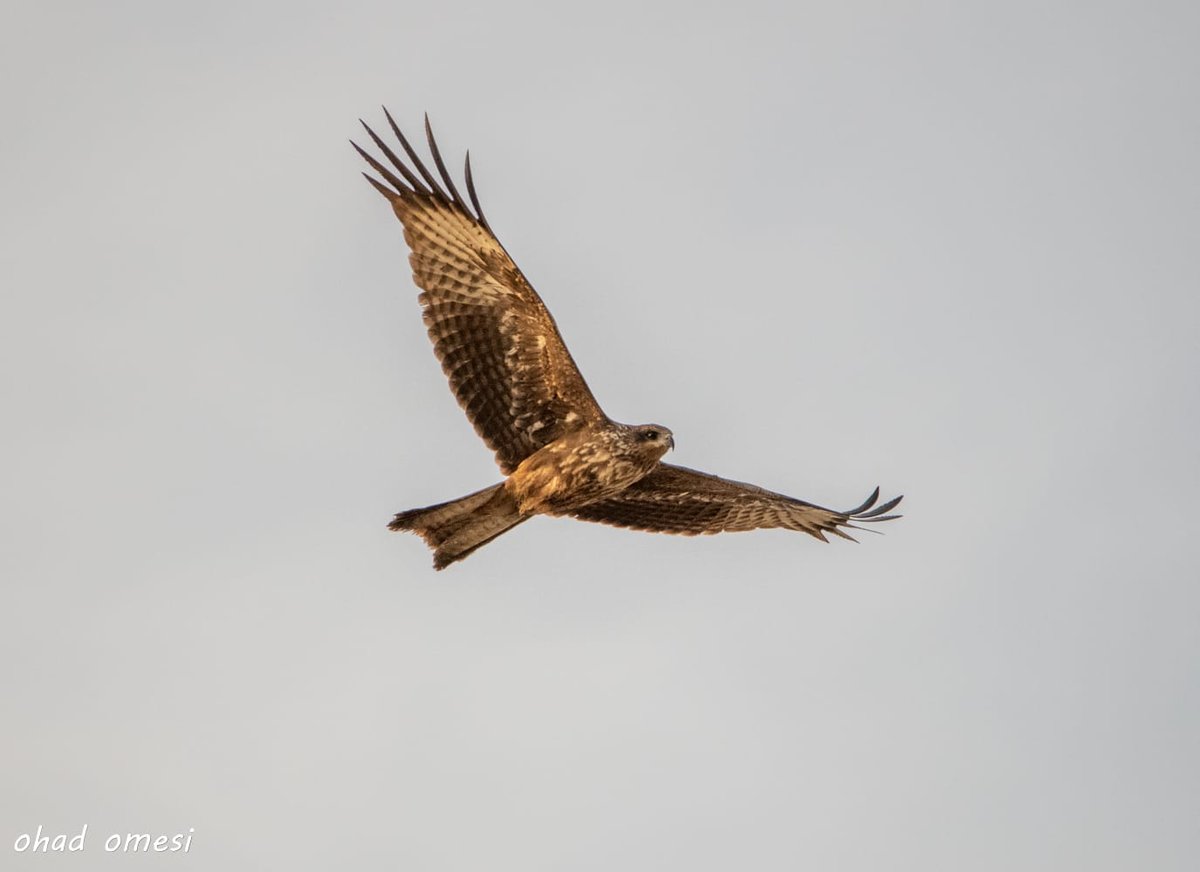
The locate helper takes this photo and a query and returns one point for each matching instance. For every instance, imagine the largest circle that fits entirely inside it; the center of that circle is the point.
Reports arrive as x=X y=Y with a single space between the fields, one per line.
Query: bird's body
x=585 y=466
x=516 y=380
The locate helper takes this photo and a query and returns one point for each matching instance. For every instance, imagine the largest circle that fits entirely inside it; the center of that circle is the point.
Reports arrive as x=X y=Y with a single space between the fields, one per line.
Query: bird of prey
x=515 y=379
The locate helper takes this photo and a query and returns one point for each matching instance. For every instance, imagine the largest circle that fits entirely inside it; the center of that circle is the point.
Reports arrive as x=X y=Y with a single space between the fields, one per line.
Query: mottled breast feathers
x=497 y=343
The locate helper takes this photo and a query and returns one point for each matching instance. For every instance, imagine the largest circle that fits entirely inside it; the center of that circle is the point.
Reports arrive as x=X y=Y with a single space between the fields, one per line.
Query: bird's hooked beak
x=671 y=442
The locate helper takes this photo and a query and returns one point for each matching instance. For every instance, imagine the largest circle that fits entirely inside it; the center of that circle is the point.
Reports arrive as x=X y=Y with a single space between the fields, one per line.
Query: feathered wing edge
x=867 y=513
x=675 y=499
x=422 y=182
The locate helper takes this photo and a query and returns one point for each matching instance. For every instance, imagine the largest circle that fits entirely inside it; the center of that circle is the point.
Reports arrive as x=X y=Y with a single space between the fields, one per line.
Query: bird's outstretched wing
x=674 y=499
x=496 y=341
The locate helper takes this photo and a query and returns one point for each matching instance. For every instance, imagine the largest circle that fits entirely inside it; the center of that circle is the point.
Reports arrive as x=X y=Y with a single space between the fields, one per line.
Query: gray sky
x=950 y=248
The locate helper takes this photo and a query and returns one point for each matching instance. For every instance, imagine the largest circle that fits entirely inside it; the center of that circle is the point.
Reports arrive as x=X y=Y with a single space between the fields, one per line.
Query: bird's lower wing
x=674 y=499
x=497 y=343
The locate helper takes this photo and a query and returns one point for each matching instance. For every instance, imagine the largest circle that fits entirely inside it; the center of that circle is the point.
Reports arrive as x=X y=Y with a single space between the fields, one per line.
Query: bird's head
x=653 y=440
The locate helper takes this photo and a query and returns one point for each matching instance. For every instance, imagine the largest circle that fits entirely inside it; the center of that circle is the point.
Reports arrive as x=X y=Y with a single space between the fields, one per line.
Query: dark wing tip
x=382 y=170
x=479 y=216
x=415 y=177
x=414 y=184
x=417 y=162
x=870 y=501
x=381 y=187
x=441 y=165
x=879 y=510
x=869 y=513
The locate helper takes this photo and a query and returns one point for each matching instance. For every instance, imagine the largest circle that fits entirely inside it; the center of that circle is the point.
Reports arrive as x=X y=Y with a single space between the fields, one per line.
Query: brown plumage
x=514 y=377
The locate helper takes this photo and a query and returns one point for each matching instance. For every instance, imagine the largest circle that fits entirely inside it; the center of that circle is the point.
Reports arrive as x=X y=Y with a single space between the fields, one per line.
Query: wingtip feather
x=433 y=187
x=870 y=501
x=381 y=188
x=470 y=177
x=441 y=165
x=879 y=510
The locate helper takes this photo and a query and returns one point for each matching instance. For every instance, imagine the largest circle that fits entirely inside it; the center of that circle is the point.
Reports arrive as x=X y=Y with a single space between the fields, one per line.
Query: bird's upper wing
x=496 y=341
x=673 y=499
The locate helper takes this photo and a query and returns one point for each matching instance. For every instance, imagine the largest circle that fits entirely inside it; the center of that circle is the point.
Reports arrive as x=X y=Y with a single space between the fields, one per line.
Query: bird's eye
x=651 y=435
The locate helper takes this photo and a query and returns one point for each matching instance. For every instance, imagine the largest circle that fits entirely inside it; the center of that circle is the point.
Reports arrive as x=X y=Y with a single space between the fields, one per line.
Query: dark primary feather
x=497 y=343
x=412 y=180
x=471 y=192
x=674 y=499
x=441 y=165
x=412 y=154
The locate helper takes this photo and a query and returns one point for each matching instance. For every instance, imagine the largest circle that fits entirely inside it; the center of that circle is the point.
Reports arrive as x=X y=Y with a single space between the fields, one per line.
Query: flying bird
x=515 y=379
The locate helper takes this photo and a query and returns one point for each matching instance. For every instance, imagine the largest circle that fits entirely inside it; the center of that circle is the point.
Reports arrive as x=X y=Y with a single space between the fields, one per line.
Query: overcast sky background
x=949 y=248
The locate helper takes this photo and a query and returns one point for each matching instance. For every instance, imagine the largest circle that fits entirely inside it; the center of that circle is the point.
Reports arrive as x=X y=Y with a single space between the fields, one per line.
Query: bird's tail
x=454 y=529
